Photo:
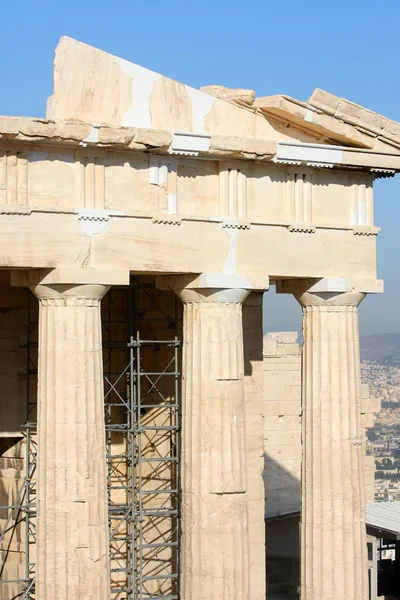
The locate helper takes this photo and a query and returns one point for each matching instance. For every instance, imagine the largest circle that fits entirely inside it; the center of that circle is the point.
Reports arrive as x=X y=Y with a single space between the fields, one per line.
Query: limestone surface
x=72 y=521
x=214 y=481
x=334 y=545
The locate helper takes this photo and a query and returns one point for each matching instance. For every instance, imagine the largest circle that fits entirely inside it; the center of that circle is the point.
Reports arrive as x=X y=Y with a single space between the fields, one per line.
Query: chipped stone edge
x=79 y=133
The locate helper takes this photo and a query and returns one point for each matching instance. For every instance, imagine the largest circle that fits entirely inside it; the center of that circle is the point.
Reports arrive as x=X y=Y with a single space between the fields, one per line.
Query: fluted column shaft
x=72 y=522
x=333 y=553
x=214 y=548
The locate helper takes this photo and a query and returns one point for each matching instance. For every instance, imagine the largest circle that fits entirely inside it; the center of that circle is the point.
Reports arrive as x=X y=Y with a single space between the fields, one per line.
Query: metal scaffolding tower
x=21 y=514
x=141 y=339
x=141 y=349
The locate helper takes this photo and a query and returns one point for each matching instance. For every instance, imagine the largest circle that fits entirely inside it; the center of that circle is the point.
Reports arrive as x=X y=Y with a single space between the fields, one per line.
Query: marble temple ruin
x=141 y=422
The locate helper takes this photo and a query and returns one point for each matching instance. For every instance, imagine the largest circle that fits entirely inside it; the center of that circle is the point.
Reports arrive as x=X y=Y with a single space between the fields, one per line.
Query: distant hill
x=381 y=347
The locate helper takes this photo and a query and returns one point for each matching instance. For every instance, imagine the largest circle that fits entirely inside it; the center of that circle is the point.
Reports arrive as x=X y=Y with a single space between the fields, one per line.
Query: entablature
x=66 y=166
x=47 y=239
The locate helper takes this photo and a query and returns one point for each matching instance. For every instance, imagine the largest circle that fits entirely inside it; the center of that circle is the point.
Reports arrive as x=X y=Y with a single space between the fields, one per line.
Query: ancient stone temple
x=141 y=223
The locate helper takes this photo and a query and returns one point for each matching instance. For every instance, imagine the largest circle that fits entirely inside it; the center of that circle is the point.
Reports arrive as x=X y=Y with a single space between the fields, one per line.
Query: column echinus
x=214 y=558
x=72 y=521
x=333 y=533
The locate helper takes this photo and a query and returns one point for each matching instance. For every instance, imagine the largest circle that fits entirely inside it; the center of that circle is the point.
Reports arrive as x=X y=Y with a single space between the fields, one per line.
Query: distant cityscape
x=380 y=370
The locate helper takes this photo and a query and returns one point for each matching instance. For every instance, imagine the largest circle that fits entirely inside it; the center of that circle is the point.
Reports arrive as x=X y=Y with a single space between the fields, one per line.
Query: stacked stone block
x=282 y=423
x=283 y=413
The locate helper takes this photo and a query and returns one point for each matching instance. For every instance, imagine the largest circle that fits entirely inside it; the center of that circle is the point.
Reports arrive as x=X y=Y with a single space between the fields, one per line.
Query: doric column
x=72 y=558
x=72 y=521
x=214 y=554
x=214 y=548
x=334 y=563
x=333 y=547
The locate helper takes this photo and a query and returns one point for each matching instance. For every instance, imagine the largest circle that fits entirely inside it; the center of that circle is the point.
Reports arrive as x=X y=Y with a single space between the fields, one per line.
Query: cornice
x=337 y=119
x=86 y=137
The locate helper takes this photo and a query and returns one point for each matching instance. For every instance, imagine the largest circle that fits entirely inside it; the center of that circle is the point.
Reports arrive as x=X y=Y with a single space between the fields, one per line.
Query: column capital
x=329 y=291
x=213 y=287
x=69 y=294
x=330 y=300
x=69 y=277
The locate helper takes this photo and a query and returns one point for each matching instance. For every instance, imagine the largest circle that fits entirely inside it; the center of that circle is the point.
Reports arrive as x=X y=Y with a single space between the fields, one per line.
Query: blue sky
x=349 y=48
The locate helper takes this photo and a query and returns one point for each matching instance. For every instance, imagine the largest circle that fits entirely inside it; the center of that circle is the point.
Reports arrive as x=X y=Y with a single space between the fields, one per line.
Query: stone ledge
x=79 y=133
x=329 y=285
x=249 y=148
x=28 y=129
x=73 y=276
